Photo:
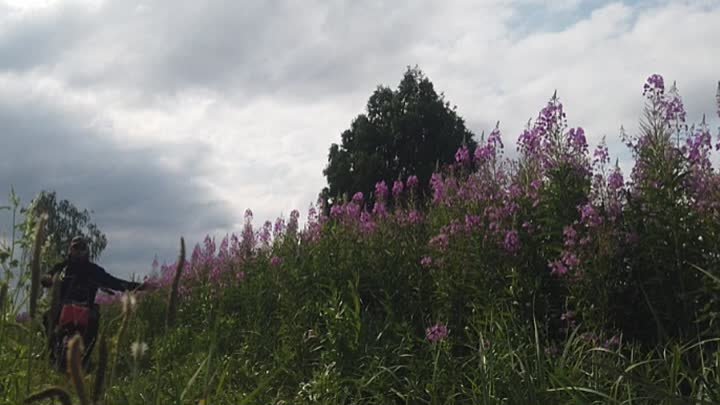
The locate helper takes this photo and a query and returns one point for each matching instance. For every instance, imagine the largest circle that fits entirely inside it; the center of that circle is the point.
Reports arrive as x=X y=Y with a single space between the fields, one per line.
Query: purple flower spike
x=512 y=241
x=412 y=182
x=381 y=190
x=655 y=85
x=397 y=188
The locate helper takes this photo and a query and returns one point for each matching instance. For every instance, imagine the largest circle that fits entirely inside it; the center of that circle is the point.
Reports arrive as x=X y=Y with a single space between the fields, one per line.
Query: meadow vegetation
x=550 y=278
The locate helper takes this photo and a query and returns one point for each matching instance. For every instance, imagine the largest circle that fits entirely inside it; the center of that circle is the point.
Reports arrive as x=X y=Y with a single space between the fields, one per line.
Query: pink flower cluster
x=223 y=266
x=356 y=214
x=436 y=333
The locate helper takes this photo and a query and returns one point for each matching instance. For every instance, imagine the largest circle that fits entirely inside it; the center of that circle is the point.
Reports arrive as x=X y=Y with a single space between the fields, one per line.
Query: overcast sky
x=171 y=117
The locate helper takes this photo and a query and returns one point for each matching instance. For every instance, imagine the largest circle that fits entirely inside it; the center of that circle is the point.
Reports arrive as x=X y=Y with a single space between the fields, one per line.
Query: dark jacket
x=82 y=280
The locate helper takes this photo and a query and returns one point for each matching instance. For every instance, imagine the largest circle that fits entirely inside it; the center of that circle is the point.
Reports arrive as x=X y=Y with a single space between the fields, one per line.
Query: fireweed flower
x=557 y=268
x=196 y=254
x=570 y=235
x=717 y=100
x=426 y=261
x=279 y=227
x=512 y=241
x=483 y=153
x=224 y=251
x=381 y=190
x=209 y=247
x=412 y=182
x=529 y=142
x=654 y=86
x=440 y=242
x=336 y=211
x=534 y=192
x=589 y=216
x=462 y=156
x=436 y=333
x=247 y=238
x=577 y=140
x=266 y=234
x=153 y=282
x=293 y=226
x=367 y=225
x=275 y=261
x=358 y=198
x=352 y=210
x=415 y=217
x=672 y=107
x=438 y=186
x=615 y=180
x=472 y=222
x=312 y=215
x=379 y=208
x=495 y=137
x=314 y=226
x=528 y=227
x=492 y=145
x=216 y=275
x=570 y=260
x=397 y=189
x=224 y=245
x=601 y=155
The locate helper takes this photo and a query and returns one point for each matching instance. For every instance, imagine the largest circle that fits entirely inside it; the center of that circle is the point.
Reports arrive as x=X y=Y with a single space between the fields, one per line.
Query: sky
x=170 y=118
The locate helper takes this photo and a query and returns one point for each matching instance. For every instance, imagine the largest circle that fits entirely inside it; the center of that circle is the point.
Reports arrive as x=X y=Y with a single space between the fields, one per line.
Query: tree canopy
x=405 y=132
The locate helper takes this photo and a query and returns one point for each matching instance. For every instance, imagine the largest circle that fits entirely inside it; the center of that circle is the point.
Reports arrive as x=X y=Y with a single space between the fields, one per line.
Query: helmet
x=78 y=242
x=78 y=248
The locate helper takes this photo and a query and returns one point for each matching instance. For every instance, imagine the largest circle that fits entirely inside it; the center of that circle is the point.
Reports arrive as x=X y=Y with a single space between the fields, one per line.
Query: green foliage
x=64 y=221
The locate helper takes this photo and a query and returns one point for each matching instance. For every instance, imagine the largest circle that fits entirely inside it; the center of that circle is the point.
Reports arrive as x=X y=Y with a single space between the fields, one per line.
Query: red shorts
x=77 y=315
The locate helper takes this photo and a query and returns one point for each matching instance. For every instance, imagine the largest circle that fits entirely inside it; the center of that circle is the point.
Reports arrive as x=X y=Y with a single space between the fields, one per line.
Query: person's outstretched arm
x=105 y=280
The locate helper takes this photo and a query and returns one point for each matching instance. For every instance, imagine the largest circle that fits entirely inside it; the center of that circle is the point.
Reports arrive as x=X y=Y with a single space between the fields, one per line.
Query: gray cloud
x=244 y=49
x=140 y=204
x=40 y=39
x=170 y=117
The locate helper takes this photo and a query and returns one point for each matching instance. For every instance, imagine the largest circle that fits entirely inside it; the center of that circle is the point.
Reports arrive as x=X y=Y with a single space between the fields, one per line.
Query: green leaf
x=264 y=383
x=193 y=378
x=707 y=273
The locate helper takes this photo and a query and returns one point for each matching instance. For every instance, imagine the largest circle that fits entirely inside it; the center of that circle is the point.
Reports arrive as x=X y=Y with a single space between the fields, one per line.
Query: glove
x=146 y=287
x=46 y=281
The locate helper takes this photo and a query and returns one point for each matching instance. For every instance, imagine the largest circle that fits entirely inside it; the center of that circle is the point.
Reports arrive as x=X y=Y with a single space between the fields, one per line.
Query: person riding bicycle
x=80 y=280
